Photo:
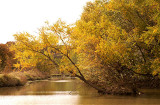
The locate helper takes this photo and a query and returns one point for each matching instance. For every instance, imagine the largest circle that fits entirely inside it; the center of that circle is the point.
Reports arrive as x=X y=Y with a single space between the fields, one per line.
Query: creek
x=70 y=92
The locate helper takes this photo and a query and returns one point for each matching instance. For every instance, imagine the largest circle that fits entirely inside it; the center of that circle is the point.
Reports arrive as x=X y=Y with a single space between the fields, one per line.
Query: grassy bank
x=21 y=78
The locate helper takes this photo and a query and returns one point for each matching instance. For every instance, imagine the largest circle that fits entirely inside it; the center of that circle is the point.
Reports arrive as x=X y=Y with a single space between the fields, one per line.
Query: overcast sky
x=29 y=15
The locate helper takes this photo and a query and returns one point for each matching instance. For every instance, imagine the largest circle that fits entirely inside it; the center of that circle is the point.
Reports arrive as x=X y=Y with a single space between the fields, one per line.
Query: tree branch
x=30 y=48
x=141 y=52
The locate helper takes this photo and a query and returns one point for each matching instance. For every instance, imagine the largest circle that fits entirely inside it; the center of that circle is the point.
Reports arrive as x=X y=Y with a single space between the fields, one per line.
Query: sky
x=29 y=15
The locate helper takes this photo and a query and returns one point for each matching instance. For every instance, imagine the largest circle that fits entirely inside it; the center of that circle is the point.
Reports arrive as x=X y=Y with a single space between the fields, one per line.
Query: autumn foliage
x=114 y=45
x=6 y=58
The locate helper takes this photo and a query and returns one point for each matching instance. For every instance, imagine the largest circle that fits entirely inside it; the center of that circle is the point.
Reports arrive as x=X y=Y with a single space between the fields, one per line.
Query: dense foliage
x=114 y=44
x=6 y=58
x=118 y=41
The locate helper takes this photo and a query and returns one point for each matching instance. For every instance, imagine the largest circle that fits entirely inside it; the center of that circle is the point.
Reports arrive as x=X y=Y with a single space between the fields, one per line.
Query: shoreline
x=13 y=79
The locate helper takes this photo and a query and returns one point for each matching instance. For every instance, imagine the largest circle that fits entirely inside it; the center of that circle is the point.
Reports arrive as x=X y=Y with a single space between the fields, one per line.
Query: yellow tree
x=52 y=45
x=112 y=41
x=143 y=16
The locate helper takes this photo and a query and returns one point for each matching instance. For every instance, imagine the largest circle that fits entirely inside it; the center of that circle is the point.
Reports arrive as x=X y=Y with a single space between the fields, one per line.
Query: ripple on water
x=62 y=81
x=53 y=92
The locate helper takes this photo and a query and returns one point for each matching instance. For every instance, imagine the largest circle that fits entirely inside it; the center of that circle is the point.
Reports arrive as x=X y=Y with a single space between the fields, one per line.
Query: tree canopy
x=6 y=58
x=113 y=43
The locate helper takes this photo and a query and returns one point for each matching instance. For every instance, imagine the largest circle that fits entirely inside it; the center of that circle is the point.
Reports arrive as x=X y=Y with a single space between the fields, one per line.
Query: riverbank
x=18 y=78
x=133 y=88
x=21 y=78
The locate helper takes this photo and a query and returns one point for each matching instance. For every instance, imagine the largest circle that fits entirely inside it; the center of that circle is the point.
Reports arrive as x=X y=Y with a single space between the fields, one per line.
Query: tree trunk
x=92 y=85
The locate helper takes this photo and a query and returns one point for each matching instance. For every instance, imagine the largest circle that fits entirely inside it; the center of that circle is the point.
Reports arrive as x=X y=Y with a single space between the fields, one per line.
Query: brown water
x=69 y=92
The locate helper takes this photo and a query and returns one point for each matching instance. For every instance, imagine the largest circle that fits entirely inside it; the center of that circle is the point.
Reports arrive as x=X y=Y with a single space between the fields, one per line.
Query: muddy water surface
x=70 y=92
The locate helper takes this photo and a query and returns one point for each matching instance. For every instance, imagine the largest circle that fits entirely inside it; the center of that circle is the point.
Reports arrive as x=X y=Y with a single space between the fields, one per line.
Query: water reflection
x=40 y=100
x=69 y=92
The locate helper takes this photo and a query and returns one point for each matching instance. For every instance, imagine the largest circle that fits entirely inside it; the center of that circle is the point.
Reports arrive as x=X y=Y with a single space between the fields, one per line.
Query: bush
x=7 y=80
